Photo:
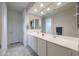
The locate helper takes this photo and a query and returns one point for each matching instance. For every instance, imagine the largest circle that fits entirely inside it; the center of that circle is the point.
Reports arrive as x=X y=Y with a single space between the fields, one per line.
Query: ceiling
x=68 y=6
x=31 y=6
x=52 y=5
x=19 y=6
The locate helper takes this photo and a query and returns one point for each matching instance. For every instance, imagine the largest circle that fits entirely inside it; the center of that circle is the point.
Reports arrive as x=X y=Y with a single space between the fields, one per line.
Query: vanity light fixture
x=48 y=9
x=35 y=10
x=41 y=5
x=59 y=3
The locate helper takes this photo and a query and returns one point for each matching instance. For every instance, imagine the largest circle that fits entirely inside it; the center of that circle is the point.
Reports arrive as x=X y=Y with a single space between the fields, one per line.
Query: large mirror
x=62 y=21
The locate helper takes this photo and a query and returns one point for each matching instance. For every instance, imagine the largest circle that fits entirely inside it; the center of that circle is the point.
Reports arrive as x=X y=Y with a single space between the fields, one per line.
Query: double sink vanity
x=52 y=45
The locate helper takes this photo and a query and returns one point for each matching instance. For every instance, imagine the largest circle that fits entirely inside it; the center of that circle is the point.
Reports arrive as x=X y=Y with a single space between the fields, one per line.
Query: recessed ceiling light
x=35 y=10
x=59 y=3
x=41 y=5
x=42 y=13
x=48 y=9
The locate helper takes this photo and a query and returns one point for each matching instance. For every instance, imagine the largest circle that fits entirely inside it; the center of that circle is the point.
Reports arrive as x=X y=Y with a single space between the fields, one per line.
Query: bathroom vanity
x=56 y=35
x=52 y=45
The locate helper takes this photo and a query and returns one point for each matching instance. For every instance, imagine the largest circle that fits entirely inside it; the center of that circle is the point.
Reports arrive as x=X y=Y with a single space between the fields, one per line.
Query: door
x=14 y=25
x=10 y=28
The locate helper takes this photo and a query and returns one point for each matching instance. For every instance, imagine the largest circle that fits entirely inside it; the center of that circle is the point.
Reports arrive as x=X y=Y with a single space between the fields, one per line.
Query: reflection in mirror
x=59 y=30
x=32 y=24
x=63 y=21
x=35 y=23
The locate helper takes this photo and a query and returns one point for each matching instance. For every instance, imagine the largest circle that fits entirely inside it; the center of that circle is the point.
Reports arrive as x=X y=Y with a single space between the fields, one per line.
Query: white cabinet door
x=75 y=53
x=55 y=50
x=29 y=40
x=41 y=47
x=34 y=44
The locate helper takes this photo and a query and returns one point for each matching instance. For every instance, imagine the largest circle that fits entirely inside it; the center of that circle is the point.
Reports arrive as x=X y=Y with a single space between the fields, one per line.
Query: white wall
x=4 y=28
x=0 y=21
x=15 y=28
x=25 y=24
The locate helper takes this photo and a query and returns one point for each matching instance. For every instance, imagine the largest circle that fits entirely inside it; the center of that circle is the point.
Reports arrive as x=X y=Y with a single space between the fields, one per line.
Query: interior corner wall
x=25 y=24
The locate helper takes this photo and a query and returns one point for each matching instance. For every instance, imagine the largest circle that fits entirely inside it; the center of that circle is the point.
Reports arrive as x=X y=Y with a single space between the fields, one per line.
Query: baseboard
x=15 y=43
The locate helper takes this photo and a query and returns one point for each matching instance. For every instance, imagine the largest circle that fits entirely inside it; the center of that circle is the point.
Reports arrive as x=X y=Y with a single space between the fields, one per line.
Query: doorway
x=14 y=24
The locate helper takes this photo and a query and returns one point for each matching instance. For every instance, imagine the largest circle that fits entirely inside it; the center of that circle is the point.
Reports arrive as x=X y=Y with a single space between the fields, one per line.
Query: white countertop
x=68 y=42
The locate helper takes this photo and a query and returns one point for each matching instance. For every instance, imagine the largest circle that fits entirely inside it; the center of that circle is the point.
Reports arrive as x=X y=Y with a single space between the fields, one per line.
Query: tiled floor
x=18 y=50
